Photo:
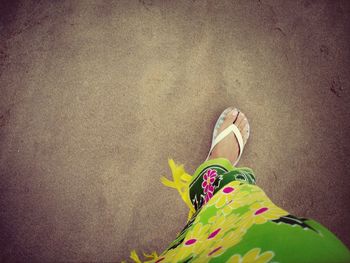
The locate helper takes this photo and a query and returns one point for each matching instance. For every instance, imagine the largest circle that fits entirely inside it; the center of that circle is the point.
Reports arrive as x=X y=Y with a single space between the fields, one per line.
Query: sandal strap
x=232 y=128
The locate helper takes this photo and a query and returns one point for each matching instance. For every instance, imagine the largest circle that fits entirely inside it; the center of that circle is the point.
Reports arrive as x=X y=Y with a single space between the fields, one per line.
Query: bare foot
x=229 y=148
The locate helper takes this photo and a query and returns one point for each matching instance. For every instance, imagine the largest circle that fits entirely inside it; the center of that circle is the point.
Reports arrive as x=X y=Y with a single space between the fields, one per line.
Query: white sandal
x=232 y=128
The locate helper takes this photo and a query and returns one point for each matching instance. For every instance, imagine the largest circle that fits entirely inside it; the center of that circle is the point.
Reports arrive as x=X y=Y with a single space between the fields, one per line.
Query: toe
x=229 y=148
x=230 y=118
x=243 y=125
x=234 y=115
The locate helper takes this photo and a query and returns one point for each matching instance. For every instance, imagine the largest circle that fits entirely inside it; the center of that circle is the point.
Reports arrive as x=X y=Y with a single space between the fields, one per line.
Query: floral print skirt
x=234 y=221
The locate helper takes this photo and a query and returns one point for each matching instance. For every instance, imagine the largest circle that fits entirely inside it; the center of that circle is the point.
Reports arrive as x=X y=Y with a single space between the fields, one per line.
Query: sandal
x=216 y=138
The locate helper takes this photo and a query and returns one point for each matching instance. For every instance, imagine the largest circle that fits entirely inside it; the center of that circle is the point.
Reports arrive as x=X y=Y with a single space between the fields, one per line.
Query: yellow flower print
x=265 y=211
x=228 y=194
x=258 y=194
x=219 y=236
x=223 y=197
x=219 y=226
x=169 y=255
x=229 y=188
x=235 y=195
x=239 y=199
x=174 y=255
x=230 y=197
x=198 y=232
x=252 y=256
x=230 y=239
x=225 y=231
x=209 y=253
x=205 y=245
x=260 y=213
x=251 y=188
x=177 y=254
x=193 y=243
x=218 y=247
x=254 y=194
x=223 y=222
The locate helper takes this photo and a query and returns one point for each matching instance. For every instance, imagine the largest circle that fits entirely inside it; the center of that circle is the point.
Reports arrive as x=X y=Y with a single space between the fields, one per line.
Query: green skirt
x=232 y=220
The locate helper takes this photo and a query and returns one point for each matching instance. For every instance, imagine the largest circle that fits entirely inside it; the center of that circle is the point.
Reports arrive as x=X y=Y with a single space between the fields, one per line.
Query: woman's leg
x=239 y=223
x=235 y=221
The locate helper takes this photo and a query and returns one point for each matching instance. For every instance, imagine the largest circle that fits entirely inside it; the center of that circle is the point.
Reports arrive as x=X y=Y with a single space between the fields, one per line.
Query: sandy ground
x=96 y=95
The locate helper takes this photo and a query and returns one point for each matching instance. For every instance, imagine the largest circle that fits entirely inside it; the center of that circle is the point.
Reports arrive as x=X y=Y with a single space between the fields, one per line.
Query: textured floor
x=95 y=96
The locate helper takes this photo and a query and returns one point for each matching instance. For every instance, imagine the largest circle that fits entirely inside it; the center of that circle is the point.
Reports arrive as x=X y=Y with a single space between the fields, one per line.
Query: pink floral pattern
x=207 y=184
x=208 y=180
x=214 y=233
x=207 y=197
